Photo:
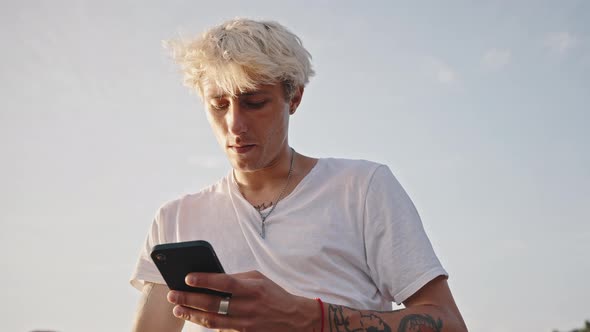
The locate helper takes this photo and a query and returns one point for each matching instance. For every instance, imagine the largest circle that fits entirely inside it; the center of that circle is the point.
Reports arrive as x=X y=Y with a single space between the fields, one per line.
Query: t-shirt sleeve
x=145 y=269
x=400 y=256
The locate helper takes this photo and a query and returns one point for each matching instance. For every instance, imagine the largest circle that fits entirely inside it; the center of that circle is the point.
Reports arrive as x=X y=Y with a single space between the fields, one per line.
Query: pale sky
x=480 y=110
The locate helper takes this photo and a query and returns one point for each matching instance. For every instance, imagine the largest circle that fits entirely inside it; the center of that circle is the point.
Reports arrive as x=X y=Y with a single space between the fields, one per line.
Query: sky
x=479 y=108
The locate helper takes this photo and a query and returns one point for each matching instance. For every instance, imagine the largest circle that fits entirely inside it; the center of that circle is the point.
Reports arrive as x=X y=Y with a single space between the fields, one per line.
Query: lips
x=242 y=148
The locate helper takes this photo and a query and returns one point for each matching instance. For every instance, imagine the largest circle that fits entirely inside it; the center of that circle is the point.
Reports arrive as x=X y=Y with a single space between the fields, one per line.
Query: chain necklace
x=263 y=216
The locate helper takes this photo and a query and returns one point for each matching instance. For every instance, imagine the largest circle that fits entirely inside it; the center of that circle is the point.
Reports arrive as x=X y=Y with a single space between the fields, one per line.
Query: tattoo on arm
x=420 y=323
x=342 y=319
x=339 y=318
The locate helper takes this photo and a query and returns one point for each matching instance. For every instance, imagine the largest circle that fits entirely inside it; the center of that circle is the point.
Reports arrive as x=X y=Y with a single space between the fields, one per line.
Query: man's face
x=252 y=127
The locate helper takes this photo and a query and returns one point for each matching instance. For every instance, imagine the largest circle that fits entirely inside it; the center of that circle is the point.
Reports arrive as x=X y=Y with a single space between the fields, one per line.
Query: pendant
x=263 y=231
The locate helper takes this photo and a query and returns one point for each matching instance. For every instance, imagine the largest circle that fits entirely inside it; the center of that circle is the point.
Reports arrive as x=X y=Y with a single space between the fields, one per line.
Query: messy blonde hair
x=240 y=54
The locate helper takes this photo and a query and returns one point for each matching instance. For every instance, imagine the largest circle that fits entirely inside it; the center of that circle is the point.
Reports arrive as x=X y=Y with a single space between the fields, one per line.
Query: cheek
x=278 y=129
x=218 y=128
x=283 y=121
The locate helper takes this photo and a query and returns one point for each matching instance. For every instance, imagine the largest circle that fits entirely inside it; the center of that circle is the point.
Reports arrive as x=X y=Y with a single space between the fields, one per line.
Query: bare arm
x=431 y=309
x=258 y=304
x=154 y=312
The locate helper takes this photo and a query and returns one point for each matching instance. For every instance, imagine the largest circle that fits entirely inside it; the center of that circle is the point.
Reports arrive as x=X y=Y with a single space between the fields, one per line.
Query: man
x=308 y=244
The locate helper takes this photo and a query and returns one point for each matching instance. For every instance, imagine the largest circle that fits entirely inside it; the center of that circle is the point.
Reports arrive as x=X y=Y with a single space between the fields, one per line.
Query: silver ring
x=223 y=306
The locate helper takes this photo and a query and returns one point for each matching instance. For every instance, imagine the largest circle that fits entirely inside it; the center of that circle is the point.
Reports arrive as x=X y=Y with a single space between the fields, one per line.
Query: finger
x=200 y=301
x=218 y=281
x=210 y=303
x=249 y=275
x=211 y=279
x=208 y=319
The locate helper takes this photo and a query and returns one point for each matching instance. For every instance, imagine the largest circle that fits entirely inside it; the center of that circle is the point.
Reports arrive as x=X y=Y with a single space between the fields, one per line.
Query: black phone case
x=176 y=260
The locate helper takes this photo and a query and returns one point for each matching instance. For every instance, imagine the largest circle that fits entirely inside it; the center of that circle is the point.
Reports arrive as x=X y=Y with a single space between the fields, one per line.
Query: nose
x=235 y=118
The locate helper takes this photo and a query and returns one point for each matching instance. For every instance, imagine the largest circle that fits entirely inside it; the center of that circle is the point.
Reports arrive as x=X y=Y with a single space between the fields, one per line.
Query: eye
x=218 y=107
x=252 y=104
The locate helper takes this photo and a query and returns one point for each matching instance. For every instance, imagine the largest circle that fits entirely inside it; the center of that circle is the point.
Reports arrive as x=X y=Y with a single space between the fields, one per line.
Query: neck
x=267 y=177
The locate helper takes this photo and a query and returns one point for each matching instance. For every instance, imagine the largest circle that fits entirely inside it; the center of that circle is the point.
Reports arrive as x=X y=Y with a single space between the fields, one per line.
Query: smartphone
x=176 y=260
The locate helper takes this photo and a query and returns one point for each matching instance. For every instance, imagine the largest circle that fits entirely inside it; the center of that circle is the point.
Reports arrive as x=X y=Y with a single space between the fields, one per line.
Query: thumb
x=249 y=275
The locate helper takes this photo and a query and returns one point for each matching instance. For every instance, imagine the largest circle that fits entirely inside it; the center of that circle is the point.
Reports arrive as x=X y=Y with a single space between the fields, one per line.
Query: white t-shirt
x=348 y=234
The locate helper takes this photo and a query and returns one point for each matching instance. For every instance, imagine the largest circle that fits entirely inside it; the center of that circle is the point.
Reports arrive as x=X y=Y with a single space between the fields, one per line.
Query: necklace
x=263 y=216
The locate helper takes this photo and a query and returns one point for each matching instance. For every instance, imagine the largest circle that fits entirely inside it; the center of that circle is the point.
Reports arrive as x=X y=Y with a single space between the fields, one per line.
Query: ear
x=296 y=100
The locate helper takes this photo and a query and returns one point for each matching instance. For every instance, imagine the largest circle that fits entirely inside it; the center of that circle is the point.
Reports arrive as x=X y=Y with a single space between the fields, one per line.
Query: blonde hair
x=240 y=54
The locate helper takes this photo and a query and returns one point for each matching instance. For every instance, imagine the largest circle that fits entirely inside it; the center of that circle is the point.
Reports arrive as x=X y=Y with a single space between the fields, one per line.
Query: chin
x=248 y=162
x=243 y=165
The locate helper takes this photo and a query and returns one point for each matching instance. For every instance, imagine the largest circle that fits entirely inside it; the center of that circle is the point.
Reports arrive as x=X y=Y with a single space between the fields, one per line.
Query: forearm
x=433 y=318
x=154 y=312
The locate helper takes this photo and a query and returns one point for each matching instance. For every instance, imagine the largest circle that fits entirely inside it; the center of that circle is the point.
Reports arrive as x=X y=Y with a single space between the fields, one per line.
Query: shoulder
x=351 y=175
x=211 y=194
x=351 y=167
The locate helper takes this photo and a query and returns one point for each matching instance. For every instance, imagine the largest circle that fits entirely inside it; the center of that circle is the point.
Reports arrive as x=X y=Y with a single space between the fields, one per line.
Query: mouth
x=242 y=148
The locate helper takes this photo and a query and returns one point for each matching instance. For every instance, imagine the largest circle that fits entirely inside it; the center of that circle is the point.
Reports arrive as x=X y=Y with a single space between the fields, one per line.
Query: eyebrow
x=243 y=94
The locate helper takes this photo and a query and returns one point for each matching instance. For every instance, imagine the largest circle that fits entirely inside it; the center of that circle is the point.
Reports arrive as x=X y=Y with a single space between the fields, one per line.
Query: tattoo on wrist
x=343 y=319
